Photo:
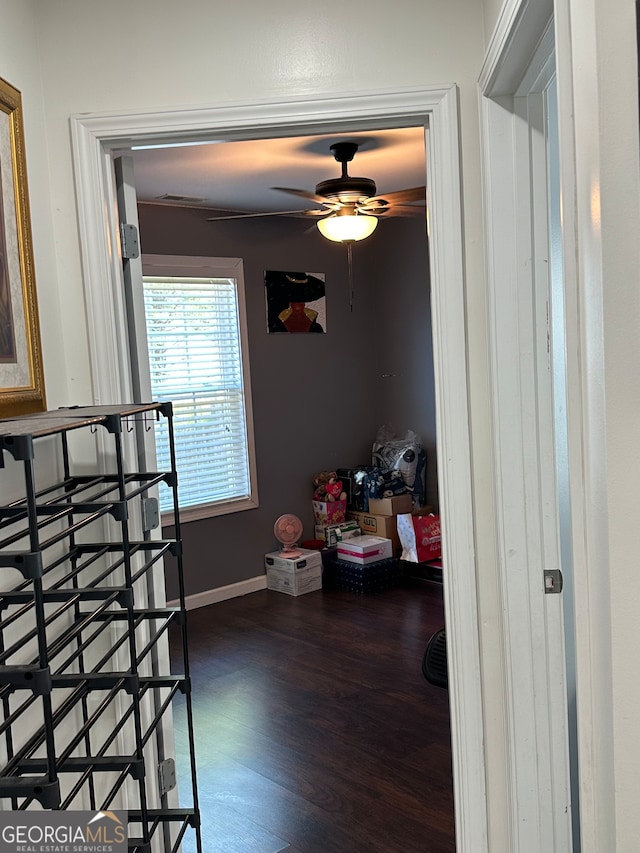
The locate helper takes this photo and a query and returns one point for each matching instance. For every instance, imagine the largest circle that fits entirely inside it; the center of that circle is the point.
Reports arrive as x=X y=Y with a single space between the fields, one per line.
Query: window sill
x=195 y=513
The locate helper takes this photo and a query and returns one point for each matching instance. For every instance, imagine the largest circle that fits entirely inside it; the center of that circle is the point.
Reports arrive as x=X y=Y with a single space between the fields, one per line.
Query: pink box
x=365 y=549
x=329 y=512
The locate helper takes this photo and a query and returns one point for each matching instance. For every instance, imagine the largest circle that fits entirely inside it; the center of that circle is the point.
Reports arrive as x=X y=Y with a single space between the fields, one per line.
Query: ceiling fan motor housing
x=345 y=188
x=348 y=190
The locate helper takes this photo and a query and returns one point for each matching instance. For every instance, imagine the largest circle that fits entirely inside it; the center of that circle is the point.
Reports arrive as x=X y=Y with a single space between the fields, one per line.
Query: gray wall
x=318 y=400
x=398 y=269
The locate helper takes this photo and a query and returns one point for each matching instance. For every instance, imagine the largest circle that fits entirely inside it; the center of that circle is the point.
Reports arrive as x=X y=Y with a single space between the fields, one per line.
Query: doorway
x=391 y=282
x=94 y=139
x=373 y=368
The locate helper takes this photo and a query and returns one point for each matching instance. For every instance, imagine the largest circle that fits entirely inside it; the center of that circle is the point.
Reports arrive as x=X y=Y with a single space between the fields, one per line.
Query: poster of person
x=295 y=302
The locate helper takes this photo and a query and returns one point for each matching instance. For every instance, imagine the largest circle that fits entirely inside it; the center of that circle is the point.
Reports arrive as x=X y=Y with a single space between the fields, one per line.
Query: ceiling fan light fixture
x=343 y=228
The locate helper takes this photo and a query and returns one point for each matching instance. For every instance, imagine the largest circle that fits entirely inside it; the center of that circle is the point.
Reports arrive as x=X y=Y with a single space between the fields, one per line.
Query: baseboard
x=222 y=593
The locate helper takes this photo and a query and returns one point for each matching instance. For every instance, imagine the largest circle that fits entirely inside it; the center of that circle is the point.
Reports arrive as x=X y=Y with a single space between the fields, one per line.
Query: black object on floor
x=374 y=577
x=431 y=570
x=434 y=662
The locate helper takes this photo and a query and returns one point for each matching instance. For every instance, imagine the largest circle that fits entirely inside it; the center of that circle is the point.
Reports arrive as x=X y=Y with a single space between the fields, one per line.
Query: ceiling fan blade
x=326 y=212
x=303 y=194
x=405 y=210
x=400 y=196
x=256 y=215
x=373 y=207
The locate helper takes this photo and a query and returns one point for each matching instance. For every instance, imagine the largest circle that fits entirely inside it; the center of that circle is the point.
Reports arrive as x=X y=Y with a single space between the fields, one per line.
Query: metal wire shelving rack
x=86 y=685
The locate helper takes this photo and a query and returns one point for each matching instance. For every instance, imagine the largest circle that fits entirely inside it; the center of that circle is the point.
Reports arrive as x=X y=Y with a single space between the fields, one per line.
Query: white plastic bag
x=405 y=454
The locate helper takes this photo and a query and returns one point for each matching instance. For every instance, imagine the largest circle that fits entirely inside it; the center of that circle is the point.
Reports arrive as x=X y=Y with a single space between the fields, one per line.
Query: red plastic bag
x=428 y=537
x=420 y=537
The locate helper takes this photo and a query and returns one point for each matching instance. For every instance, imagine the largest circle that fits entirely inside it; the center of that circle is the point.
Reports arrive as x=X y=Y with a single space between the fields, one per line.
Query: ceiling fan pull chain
x=350 y=263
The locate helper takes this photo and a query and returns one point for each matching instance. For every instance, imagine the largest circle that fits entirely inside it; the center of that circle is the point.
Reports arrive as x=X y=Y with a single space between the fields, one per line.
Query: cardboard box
x=329 y=512
x=295 y=582
x=365 y=550
x=390 y=506
x=331 y=534
x=294 y=575
x=378 y=525
x=305 y=560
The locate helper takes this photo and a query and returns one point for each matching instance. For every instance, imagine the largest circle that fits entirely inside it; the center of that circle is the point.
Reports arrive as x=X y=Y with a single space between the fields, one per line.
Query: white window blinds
x=195 y=360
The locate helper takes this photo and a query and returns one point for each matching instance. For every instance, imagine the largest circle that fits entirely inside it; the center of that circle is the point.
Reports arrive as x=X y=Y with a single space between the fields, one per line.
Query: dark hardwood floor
x=316 y=731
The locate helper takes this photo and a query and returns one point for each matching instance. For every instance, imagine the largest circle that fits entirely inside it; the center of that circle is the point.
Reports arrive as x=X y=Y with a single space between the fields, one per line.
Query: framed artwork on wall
x=21 y=371
x=295 y=301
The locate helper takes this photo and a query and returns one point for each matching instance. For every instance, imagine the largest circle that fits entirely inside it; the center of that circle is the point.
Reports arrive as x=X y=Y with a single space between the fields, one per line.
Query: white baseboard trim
x=222 y=593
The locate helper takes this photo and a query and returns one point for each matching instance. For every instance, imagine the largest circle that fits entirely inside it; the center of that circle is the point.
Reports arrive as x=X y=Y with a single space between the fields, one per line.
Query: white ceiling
x=239 y=176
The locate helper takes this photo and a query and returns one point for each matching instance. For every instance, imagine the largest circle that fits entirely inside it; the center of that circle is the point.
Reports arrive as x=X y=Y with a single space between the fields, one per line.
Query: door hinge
x=150 y=514
x=552 y=581
x=129 y=244
x=167 y=775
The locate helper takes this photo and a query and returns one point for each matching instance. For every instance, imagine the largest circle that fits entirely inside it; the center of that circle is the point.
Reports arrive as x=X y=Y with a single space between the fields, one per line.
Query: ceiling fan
x=349 y=207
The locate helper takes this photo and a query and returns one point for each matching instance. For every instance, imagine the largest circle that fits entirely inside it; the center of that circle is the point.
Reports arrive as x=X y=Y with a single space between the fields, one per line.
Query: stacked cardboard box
x=365 y=550
x=294 y=575
x=381 y=518
x=364 y=564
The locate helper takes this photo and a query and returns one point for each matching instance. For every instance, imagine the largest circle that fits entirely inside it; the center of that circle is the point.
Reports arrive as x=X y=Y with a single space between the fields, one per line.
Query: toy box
x=329 y=512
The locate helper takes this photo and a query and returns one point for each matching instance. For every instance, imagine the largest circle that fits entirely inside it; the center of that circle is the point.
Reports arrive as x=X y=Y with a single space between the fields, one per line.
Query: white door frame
x=581 y=30
x=589 y=80
x=519 y=66
x=95 y=136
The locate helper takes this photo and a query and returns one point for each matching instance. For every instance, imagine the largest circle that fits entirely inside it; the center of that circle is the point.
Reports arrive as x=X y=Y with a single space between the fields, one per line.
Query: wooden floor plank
x=315 y=726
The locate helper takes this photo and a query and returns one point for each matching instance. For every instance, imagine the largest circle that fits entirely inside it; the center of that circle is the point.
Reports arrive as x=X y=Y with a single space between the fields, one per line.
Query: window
x=198 y=360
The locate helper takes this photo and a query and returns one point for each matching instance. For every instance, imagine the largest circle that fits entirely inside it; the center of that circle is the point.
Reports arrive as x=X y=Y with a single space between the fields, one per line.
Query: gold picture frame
x=21 y=371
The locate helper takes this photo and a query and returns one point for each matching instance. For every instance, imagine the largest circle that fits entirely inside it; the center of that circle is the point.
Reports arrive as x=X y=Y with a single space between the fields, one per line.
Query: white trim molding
x=582 y=248
x=94 y=136
x=598 y=124
x=596 y=62
x=513 y=45
x=518 y=67
x=222 y=593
